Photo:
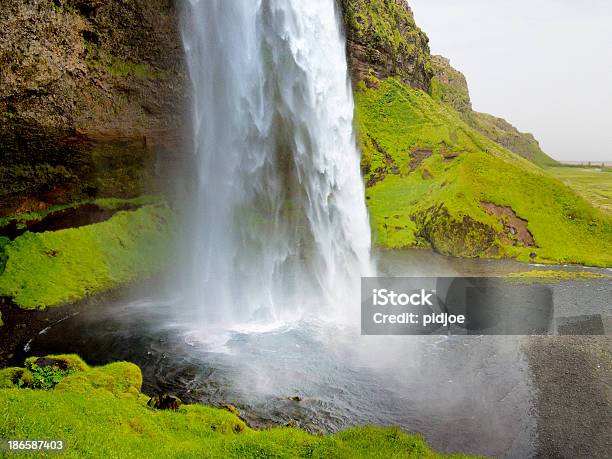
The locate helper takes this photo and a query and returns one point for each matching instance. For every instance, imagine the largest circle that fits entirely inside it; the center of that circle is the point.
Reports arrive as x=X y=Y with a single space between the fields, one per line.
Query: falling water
x=280 y=225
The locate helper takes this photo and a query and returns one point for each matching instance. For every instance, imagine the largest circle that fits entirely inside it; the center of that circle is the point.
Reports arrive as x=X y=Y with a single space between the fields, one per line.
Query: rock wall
x=449 y=86
x=383 y=40
x=92 y=67
x=77 y=74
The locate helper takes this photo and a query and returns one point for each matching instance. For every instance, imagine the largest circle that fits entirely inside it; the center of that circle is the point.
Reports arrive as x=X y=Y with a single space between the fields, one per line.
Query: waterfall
x=280 y=227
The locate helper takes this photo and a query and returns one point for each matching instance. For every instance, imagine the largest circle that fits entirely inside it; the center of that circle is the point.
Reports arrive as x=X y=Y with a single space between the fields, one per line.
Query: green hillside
x=432 y=180
x=450 y=87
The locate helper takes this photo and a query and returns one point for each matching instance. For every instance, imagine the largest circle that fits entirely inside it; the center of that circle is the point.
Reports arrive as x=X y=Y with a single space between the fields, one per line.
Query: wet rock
x=165 y=402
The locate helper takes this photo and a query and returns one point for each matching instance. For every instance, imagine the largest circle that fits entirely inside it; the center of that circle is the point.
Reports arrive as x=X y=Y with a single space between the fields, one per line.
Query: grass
x=593 y=184
x=388 y=27
x=507 y=135
x=556 y=275
x=58 y=267
x=376 y=22
x=449 y=86
x=100 y=412
x=440 y=202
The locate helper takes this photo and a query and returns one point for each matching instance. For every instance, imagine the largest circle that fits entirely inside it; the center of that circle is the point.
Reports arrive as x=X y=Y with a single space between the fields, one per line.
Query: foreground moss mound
x=432 y=180
x=57 y=267
x=100 y=412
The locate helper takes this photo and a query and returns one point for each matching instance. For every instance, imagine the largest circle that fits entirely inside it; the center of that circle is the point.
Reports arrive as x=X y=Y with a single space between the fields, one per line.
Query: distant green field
x=593 y=184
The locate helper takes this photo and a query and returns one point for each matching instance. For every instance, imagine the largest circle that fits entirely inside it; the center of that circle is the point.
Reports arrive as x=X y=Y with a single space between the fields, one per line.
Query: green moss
x=71 y=362
x=10 y=376
x=377 y=21
x=4 y=241
x=39 y=166
x=21 y=179
x=505 y=134
x=122 y=379
x=53 y=268
x=100 y=412
x=117 y=67
x=443 y=207
x=450 y=87
x=388 y=27
x=556 y=275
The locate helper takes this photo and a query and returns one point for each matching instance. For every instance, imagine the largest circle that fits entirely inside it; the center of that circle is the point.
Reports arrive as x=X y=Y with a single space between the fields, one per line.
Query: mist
x=542 y=65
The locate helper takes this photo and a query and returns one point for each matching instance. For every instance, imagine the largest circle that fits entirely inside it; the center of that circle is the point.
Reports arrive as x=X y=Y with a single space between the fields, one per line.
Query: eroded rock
x=165 y=402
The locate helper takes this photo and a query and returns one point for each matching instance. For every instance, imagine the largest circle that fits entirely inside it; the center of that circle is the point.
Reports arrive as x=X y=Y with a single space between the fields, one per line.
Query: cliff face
x=92 y=67
x=78 y=74
x=450 y=87
x=383 y=40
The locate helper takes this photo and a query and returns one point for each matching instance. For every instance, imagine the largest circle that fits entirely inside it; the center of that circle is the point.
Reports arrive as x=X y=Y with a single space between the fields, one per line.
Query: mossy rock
x=54 y=268
x=94 y=406
x=11 y=377
x=122 y=379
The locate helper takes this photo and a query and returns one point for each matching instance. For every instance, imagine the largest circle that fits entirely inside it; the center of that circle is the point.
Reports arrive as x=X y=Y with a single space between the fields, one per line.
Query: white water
x=280 y=228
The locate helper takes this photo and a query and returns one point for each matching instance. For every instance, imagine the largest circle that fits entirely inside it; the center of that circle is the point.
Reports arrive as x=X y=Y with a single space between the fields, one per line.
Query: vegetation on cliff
x=100 y=411
x=450 y=87
x=90 y=66
x=57 y=267
x=383 y=39
x=432 y=180
x=90 y=93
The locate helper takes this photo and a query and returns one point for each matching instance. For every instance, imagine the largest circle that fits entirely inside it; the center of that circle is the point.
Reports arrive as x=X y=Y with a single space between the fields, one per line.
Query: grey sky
x=544 y=65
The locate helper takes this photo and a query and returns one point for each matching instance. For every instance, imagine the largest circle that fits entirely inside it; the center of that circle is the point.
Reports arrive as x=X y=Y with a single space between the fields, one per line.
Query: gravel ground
x=572 y=376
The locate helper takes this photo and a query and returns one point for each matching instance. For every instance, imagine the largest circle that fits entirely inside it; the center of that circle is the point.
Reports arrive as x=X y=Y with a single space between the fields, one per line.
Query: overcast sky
x=543 y=65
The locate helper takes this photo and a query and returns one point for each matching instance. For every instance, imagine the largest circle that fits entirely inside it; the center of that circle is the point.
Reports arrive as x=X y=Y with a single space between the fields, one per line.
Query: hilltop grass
x=593 y=184
x=450 y=87
x=100 y=412
x=53 y=268
x=440 y=202
x=526 y=144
